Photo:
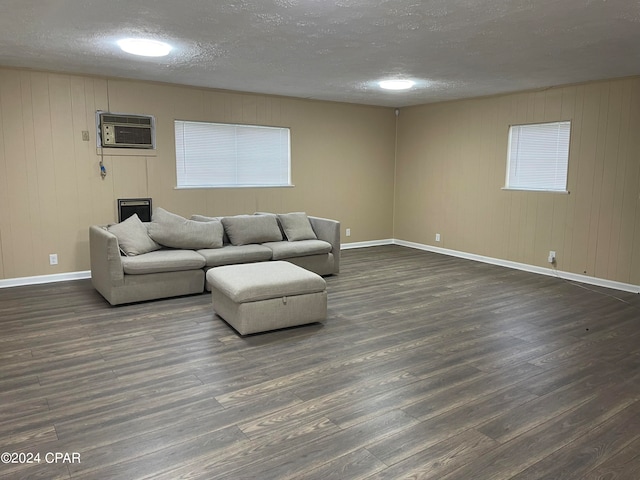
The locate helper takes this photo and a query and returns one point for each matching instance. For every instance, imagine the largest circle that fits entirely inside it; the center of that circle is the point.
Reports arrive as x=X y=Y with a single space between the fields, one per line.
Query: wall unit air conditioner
x=124 y=130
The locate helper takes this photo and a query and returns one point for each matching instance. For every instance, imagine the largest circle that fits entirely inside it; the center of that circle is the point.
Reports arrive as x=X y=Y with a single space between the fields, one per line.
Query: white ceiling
x=333 y=49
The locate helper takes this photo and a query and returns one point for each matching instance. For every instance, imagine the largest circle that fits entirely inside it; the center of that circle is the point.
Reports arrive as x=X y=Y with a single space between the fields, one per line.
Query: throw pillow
x=175 y=231
x=248 y=229
x=297 y=226
x=133 y=238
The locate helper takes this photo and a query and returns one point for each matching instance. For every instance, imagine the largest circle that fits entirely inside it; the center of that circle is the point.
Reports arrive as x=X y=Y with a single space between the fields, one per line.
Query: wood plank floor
x=427 y=367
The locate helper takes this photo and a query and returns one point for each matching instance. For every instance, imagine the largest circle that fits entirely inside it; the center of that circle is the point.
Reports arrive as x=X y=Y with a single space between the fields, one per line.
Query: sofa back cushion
x=174 y=231
x=247 y=229
x=204 y=218
x=296 y=226
x=133 y=238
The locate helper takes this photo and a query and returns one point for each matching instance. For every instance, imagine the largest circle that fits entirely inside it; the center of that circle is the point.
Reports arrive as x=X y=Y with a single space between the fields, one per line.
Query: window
x=538 y=156
x=226 y=155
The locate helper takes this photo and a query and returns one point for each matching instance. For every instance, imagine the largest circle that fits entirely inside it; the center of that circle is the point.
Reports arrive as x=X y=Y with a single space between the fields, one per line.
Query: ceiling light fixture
x=144 y=47
x=396 y=84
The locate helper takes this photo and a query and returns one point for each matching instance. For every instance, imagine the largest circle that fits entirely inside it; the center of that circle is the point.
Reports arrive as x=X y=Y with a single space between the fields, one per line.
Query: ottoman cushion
x=251 y=282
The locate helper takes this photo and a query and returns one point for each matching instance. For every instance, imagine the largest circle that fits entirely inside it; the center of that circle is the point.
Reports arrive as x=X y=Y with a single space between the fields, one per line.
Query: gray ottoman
x=256 y=297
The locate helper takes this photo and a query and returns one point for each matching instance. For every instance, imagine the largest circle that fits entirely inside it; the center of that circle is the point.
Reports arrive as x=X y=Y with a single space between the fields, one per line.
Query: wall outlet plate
x=53 y=259
x=437 y=237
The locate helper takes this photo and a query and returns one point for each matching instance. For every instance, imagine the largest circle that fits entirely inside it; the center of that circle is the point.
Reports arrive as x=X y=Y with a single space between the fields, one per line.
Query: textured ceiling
x=333 y=49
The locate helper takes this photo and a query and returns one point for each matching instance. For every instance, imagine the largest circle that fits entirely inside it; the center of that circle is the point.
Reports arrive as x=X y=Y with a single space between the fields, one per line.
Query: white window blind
x=538 y=156
x=227 y=155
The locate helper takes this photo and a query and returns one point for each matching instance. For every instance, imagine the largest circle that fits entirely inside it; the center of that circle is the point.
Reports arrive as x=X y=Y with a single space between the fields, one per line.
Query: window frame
x=284 y=174
x=528 y=188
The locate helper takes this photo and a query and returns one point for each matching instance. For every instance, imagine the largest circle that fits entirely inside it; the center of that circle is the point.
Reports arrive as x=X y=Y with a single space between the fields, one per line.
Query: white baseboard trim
x=39 y=279
x=600 y=282
x=371 y=243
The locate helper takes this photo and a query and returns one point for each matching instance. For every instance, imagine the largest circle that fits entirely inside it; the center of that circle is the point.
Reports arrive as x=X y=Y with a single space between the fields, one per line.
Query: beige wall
x=451 y=166
x=51 y=190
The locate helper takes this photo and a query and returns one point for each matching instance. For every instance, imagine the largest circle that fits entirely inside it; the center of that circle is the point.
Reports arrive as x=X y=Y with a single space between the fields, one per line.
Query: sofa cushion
x=301 y=248
x=274 y=215
x=175 y=231
x=165 y=260
x=296 y=226
x=247 y=229
x=133 y=238
x=231 y=254
x=203 y=218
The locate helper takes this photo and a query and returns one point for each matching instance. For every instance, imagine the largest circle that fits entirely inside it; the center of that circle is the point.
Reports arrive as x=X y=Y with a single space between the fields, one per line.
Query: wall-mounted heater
x=129 y=206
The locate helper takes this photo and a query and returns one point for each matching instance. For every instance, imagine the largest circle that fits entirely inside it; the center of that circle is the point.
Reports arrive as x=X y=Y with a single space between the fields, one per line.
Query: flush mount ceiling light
x=396 y=84
x=144 y=47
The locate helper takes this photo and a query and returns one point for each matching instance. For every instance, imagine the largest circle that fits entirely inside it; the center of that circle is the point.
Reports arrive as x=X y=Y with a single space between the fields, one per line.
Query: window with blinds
x=538 y=157
x=228 y=155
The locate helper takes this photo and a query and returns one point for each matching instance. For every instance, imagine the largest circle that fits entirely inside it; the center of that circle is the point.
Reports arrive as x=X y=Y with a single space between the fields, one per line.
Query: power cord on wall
x=103 y=169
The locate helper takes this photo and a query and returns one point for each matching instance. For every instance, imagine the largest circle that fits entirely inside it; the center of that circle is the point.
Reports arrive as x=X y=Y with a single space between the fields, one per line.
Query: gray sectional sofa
x=134 y=261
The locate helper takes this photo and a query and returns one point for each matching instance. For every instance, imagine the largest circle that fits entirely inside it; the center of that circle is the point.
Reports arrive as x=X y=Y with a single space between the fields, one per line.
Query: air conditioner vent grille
x=126 y=120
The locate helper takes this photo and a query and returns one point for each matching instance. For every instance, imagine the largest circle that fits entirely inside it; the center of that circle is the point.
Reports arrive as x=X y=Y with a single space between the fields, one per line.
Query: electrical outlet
x=348 y=232
x=53 y=259
x=437 y=237
x=552 y=257
x=85 y=135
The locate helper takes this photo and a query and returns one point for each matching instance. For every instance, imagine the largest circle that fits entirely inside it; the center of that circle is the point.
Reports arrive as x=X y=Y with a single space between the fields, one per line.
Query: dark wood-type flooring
x=427 y=367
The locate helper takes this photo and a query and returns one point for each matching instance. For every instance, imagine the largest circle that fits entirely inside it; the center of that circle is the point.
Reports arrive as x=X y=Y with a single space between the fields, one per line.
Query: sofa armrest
x=106 y=265
x=329 y=231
